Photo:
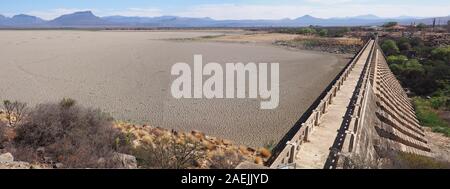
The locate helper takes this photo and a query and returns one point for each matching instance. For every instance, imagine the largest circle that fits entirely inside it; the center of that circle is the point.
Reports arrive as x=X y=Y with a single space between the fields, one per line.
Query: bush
x=75 y=136
x=416 y=42
x=438 y=102
x=170 y=153
x=307 y=31
x=442 y=53
x=15 y=111
x=338 y=32
x=397 y=59
x=429 y=118
x=404 y=44
x=408 y=71
x=323 y=32
x=390 y=47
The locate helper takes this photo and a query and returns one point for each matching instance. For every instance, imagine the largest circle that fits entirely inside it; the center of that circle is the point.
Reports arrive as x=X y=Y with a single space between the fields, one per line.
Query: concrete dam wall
x=363 y=115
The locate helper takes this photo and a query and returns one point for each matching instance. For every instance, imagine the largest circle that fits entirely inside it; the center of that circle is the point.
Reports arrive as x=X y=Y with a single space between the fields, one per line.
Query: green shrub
x=438 y=102
x=307 y=31
x=404 y=44
x=397 y=59
x=390 y=47
x=442 y=53
x=428 y=116
x=323 y=32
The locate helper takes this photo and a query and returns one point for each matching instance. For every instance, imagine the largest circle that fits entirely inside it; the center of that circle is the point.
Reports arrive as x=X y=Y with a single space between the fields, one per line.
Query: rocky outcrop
x=126 y=161
x=7 y=162
x=6 y=157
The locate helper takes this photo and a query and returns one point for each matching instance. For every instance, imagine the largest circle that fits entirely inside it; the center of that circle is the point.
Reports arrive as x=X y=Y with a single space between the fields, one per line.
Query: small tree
x=404 y=44
x=441 y=53
x=390 y=48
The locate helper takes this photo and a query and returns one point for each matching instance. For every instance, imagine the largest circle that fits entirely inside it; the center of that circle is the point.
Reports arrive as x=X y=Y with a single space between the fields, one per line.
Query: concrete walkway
x=313 y=154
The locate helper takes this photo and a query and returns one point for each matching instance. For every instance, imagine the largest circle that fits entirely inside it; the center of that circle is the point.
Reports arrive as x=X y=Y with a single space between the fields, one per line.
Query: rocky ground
x=213 y=146
x=439 y=144
x=7 y=162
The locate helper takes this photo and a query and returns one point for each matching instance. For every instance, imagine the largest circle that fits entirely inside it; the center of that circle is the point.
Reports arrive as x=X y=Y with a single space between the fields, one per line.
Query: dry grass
x=161 y=148
x=413 y=161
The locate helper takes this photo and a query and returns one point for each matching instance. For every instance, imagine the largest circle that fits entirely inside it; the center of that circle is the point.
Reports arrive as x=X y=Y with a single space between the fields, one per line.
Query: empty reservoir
x=128 y=75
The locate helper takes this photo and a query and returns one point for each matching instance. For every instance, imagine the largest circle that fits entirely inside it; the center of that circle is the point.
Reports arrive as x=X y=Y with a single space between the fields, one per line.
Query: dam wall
x=363 y=115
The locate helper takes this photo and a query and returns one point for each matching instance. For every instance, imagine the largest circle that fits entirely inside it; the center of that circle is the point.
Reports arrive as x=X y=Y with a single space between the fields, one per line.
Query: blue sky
x=230 y=9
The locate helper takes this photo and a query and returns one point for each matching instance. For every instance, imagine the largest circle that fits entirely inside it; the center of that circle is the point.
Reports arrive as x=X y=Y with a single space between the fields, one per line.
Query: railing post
x=324 y=110
x=292 y=152
x=306 y=132
x=317 y=118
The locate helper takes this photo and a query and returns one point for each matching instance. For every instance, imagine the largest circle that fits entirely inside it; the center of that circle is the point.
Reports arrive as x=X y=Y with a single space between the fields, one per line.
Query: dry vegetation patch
x=161 y=148
x=342 y=45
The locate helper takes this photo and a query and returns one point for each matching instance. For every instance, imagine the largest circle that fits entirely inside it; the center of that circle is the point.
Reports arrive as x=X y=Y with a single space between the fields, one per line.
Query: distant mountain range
x=87 y=19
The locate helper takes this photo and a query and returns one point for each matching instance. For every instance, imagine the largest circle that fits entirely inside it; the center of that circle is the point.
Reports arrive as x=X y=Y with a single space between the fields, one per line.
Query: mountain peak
x=81 y=18
x=23 y=16
x=80 y=14
x=307 y=16
x=367 y=16
x=24 y=19
x=88 y=12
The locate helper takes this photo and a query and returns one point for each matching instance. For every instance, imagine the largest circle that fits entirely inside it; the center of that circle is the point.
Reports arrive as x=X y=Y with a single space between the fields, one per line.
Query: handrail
x=345 y=141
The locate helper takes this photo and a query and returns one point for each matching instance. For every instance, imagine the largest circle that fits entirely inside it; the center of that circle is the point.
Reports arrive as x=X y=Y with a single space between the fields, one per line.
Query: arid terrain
x=127 y=73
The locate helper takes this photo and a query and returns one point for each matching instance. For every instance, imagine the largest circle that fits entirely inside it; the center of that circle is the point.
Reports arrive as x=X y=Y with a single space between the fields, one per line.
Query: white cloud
x=232 y=11
x=328 y=2
x=142 y=12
